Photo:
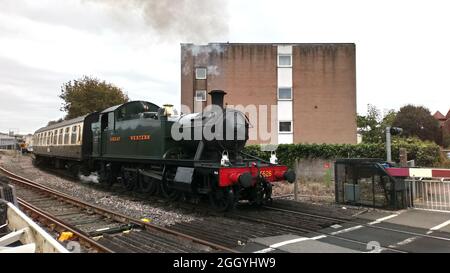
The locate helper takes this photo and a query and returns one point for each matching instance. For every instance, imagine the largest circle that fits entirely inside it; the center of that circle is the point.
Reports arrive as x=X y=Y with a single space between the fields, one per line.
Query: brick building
x=444 y=123
x=313 y=86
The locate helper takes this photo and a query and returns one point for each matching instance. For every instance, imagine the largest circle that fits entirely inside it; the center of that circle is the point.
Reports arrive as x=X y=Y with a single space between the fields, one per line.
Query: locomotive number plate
x=266 y=173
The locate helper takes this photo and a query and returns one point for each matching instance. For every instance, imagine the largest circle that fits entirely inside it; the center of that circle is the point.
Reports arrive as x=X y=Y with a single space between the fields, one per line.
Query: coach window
x=73 y=139
x=111 y=121
x=55 y=137
x=66 y=135
x=79 y=134
x=60 y=136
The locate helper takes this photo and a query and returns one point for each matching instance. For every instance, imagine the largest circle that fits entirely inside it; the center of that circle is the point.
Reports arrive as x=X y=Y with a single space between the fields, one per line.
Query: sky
x=402 y=47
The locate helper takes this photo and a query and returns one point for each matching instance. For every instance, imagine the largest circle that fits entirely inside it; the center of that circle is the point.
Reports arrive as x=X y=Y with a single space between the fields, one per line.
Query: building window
x=284 y=60
x=200 y=73
x=200 y=95
x=285 y=93
x=285 y=127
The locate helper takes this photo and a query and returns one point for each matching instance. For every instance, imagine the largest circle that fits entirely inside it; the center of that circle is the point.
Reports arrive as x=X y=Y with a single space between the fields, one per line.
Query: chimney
x=217 y=97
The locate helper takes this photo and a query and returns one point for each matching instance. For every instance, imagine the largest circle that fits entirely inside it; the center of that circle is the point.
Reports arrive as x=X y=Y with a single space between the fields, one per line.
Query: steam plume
x=187 y=20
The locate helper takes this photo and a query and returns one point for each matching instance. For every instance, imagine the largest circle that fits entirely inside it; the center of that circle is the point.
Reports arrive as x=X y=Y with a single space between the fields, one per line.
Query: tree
x=87 y=95
x=418 y=121
x=446 y=140
x=368 y=125
x=372 y=125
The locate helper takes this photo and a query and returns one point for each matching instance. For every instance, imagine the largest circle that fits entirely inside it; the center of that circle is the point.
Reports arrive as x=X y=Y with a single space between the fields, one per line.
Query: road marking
x=336 y=226
x=407 y=241
x=288 y=242
x=383 y=219
x=446 y=223
x=346 y=230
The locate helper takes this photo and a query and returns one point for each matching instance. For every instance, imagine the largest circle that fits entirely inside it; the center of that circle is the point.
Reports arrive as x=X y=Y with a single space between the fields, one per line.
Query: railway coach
x=152 y=149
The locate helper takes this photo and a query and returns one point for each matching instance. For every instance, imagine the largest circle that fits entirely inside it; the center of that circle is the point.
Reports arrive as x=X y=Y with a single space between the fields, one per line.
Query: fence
x=429 y=194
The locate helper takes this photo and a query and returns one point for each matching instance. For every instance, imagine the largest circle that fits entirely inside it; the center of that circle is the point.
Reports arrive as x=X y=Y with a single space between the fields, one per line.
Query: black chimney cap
x=213 y=92
x=217 y=97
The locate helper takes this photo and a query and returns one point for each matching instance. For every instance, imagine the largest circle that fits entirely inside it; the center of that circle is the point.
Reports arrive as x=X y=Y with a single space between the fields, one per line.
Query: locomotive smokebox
x=217 y=97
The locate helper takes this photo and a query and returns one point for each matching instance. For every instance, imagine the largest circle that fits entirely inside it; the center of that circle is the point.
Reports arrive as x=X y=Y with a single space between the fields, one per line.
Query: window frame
x=285 y=132
x=201 y=78
x=284 y=55
x=278 y=93
x=196 y=97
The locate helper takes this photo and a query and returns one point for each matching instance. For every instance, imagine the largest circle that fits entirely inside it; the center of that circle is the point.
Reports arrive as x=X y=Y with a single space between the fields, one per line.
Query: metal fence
x=429 y=194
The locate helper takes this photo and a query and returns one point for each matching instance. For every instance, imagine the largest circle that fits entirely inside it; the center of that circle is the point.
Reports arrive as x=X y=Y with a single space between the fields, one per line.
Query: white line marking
x=293 y=241
x=383 y=219
x=265 y=250
x=346 y=230
x=440 y=225
x=407 y=241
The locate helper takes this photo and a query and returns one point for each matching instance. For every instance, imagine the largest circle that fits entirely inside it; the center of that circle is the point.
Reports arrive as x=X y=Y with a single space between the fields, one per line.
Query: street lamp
x=391 y=131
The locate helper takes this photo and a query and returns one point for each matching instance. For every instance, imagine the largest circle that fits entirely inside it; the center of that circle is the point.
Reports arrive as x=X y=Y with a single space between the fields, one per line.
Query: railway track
x=235 y=229
x=98 y=229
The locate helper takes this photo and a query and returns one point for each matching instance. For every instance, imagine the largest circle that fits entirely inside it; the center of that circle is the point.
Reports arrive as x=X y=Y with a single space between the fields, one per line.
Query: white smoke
x=201 y=55
x=189 y=20
x=92 y=178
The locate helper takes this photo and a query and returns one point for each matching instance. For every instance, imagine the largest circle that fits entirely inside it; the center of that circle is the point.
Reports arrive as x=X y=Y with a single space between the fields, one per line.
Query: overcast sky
x=403 y=47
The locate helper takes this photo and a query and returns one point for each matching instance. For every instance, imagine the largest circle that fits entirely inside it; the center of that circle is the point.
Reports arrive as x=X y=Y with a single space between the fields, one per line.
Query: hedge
x=426 y=154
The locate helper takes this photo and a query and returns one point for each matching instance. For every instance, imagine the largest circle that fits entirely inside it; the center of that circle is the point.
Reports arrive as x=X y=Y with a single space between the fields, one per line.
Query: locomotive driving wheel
x=105 y=176
x=147 y=185
x=222 y=199
x=130 y=180
x=166 y=190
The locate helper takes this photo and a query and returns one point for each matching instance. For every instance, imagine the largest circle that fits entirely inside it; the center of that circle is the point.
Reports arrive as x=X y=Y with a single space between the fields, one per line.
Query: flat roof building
x=303 y=93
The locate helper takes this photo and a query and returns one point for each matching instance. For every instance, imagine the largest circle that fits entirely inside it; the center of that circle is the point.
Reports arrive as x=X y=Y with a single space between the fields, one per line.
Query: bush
x=424 y=153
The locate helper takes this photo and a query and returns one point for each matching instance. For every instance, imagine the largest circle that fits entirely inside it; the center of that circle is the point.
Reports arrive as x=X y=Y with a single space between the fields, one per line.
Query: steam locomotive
x=151 y=149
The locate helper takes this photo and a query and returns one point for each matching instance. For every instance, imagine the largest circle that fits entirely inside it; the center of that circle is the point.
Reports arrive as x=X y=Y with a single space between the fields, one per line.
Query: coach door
x=107 y=126
x=96 y=139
